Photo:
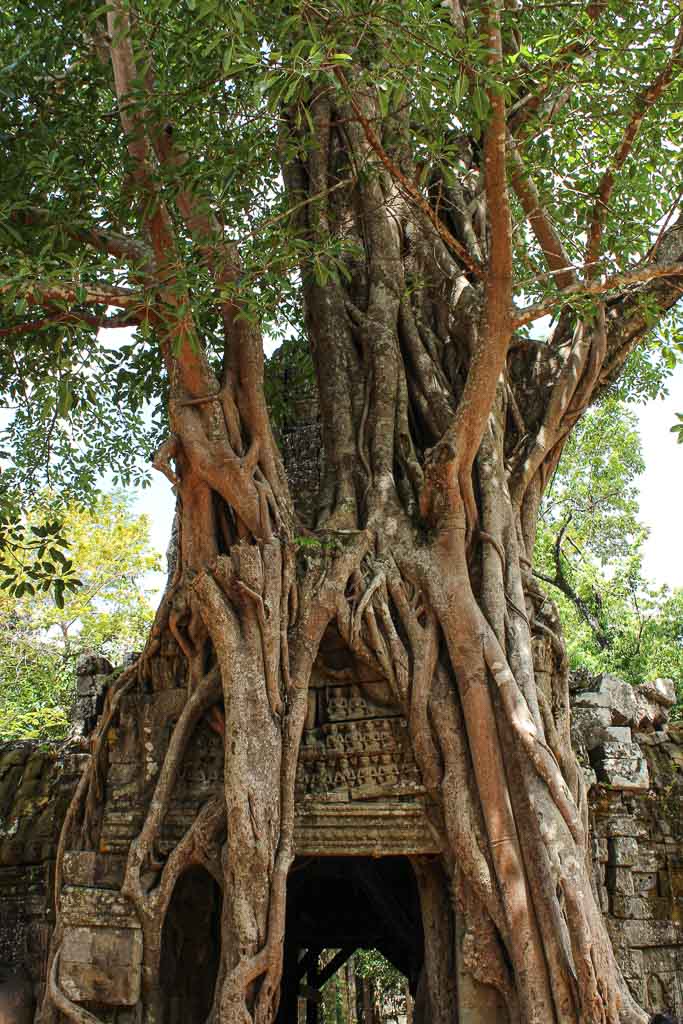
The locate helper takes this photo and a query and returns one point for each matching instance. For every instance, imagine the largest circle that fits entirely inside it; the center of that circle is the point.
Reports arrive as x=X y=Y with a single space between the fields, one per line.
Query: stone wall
x=36 y=783
x=632 y=758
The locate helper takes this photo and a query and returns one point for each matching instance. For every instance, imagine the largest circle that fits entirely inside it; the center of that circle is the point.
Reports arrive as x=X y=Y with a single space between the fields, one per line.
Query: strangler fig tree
x=467 y=217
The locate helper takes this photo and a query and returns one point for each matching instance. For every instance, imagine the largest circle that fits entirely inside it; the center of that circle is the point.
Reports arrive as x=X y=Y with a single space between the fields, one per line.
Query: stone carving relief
x=355 y=744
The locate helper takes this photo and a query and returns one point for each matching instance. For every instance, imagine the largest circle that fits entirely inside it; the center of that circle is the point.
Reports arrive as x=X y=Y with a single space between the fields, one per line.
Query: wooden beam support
x=310 y=959
x=311 y=995
x=335 y=963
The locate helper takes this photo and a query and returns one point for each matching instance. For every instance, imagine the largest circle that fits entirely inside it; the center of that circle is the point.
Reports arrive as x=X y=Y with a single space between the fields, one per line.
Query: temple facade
x=368 y=851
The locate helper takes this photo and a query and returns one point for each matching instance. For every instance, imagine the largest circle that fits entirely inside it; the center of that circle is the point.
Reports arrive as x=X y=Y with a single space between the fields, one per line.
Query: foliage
x=590 y=545
x=109 y=613
x=387 y=989
x=32 y=548
x=77 y=398
x=388 y=982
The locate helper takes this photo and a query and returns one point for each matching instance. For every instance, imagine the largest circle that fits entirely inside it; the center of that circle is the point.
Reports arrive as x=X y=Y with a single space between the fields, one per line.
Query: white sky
x=661 y=492
x=661 y=485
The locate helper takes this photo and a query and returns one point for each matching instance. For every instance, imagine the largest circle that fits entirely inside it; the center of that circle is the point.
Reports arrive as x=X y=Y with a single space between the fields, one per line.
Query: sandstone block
x=96 y=870
x=637 y=989
x=631 y=962
x=644 y=933
x=93 y=665
x=620 y=825
x=589 y=725
x=609 y=691
x=649 y=715
x=644 y=882
x=675 y=877
x=660 y=691
x=647 y=859
x=84 y=685
x=94 y=907
x=662 y=960
x=628 y=772
x=618 y=735
x=622 y=851
x=101 y=965
x=600 y=849
x=619 y=880
x=640 y=908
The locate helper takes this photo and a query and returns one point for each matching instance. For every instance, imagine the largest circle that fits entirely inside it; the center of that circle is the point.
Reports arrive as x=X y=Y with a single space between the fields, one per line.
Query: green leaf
x=64 y=398
x=480 y=102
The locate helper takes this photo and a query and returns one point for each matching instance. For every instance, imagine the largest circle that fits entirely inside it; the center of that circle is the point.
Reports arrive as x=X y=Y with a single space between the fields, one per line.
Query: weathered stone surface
x=644 y=882
x=96 y=870
x=589 y=726
x=330 y=830
x=626 y=773
x=91 y=664
x=609 y=691
x=101 y=965
x=649 y=716
x=619 y=880
x=616 y=824
x=647 y=858
x=622 y=851
x=660 y=691
x=631 y=962
x=96 y=907
x=642 y=908
x=643 y=934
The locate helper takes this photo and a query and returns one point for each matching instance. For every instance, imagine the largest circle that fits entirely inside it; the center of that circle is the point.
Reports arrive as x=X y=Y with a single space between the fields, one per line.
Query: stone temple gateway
x=368 y=846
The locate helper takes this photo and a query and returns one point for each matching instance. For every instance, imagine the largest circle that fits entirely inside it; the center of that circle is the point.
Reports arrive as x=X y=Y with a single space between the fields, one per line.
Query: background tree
x=589 y=548
x=107 y=611
x=417 y=184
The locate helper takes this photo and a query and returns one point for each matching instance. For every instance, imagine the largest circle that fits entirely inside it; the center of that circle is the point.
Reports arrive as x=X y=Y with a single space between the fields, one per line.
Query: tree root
x=76 y=1013
x=141 y=848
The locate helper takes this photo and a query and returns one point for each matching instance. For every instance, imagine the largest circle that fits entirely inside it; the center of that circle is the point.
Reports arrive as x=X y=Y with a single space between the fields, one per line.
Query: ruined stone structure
x=367 y=841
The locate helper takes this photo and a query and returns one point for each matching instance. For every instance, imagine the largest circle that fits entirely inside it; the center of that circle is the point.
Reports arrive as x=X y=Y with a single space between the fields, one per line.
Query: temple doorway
x=190 y=948
x=335 y=907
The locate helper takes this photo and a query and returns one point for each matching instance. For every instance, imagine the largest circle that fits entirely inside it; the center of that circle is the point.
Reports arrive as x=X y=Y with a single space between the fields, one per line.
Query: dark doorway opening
x=190 y=948
x=343 y=904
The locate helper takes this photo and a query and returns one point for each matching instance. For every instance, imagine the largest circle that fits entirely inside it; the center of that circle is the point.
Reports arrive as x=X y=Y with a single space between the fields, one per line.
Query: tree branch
x=123 y=247
x=562 y=583
x=73 y=316
x=525 y=108
x=243 y=364
x=647 y=98
x=448 y=472
x=615 y=282
x=39 y=293
x=542 y=226
x=182 y=349
x=630 y=319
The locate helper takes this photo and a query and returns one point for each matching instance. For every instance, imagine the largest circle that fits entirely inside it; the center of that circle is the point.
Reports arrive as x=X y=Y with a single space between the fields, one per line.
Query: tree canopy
x=593 y=95
x=590 y=550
